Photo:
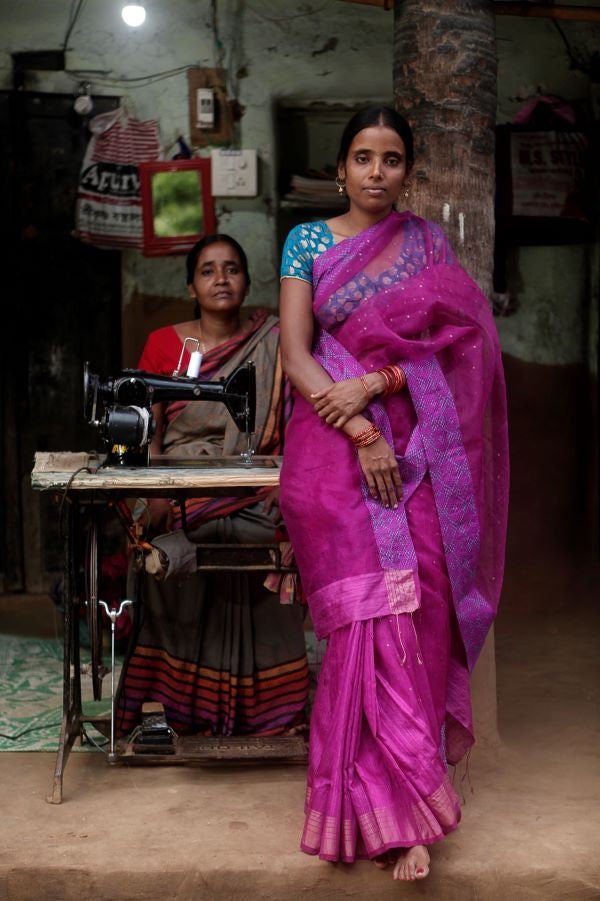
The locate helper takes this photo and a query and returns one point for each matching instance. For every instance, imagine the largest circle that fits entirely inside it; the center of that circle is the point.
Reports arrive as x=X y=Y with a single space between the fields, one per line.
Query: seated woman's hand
x=340 y=402
x=160 y=514
x=380 y=467
x=271 y=502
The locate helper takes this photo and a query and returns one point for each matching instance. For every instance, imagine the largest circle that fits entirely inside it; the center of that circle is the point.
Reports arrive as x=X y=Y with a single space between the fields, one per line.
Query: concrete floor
x=530 y=829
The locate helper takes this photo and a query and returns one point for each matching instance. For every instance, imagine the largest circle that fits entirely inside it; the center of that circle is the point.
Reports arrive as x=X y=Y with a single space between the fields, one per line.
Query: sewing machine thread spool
x=194 y=365
x=195 y=357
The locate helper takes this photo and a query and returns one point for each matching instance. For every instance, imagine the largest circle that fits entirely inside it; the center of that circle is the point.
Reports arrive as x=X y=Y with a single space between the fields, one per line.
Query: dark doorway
x=62 y=306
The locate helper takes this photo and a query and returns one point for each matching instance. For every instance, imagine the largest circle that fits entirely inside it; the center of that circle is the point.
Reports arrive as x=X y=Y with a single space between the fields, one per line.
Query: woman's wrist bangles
x=395 y=379
x=368 y=436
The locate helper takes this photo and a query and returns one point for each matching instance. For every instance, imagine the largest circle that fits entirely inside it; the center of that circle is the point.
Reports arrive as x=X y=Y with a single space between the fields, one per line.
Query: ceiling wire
x=218 y=44
x=73 y=16
x=577 y=64
x=138 y=81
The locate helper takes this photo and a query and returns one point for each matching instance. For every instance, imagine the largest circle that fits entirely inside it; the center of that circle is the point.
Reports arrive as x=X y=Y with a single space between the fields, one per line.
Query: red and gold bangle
x=395 y=379
x=370 y=439
x=368 y=436
x=362 y=434
x=388 y=381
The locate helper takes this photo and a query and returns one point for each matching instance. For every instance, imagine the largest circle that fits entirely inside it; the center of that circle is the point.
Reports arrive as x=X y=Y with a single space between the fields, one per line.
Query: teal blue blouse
x=303 y=245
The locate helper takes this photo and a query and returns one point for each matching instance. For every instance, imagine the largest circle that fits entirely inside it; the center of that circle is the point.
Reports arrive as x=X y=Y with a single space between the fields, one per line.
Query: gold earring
x=407 y=187
x=341 y=185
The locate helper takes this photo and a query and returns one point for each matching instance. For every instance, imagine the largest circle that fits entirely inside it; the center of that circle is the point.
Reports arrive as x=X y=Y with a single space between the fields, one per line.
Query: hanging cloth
x=109 y=206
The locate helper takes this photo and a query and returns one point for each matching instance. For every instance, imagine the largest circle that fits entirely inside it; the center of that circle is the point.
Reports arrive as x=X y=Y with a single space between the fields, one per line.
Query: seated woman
x=218 y=651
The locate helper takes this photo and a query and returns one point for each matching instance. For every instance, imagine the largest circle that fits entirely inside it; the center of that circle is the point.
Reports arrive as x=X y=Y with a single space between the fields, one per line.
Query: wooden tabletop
x=222 y=475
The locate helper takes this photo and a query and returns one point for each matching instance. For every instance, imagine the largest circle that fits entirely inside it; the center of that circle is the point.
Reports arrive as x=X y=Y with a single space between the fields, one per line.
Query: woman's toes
x=402 y=871
x=413 y=864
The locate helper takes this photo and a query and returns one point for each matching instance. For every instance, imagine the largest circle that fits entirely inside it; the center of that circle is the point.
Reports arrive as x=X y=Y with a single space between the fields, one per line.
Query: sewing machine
x=120 y=407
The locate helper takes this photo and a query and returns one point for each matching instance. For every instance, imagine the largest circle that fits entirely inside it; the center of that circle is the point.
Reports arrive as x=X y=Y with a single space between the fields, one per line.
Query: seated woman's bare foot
x=412 y=864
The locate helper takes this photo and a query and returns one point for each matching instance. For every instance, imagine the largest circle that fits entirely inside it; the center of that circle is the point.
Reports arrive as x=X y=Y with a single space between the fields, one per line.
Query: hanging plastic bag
x=109 y=206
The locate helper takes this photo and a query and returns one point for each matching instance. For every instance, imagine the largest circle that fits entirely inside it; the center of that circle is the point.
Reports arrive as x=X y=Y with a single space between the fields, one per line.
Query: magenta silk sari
x=406 y=596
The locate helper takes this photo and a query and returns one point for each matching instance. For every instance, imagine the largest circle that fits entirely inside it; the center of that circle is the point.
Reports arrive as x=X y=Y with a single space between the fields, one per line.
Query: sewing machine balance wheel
x=93 y=612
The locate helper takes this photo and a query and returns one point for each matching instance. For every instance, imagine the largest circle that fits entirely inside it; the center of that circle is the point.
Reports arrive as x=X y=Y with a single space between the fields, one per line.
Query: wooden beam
x=526 y=10
x=537 y=11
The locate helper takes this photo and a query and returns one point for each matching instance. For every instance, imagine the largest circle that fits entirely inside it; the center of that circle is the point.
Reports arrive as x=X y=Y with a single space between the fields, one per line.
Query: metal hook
x=113 y=615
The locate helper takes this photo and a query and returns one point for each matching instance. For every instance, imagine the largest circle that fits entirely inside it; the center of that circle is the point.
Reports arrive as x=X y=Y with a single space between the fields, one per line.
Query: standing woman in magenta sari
x=394 y=491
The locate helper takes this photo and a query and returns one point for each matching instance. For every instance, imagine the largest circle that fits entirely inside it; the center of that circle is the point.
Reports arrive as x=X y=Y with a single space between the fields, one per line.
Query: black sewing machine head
x=121 y=406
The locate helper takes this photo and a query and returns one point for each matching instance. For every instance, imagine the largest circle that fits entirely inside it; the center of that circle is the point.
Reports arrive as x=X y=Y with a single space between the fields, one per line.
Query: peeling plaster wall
x=320 y=50
x=555 y=322
x=310 y=51
x=550 y=284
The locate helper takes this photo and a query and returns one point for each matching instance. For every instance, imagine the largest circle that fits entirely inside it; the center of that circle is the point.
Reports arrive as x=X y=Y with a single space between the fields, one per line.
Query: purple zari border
x=454 y=497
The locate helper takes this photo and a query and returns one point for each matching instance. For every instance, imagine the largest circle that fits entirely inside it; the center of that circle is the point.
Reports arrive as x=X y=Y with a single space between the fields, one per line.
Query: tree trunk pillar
x=445 y=85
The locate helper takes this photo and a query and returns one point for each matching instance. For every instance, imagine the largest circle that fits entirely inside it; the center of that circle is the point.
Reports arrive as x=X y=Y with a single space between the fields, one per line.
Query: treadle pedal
x=153 y=735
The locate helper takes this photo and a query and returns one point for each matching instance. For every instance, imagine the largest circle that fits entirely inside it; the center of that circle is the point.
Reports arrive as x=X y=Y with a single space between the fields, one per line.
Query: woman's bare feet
x=412 y=864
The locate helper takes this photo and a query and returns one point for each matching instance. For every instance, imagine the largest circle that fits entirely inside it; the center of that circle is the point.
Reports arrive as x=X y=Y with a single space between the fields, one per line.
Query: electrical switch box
x=234 y=173
x=205 y=108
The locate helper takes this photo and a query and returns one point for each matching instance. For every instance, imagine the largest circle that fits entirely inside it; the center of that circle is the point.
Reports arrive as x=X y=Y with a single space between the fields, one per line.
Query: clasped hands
x=341 y=401
x=337 y=404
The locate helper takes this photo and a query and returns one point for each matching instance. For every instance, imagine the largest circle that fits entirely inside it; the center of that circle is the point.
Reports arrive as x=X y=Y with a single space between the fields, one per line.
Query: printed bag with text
x=109 y=207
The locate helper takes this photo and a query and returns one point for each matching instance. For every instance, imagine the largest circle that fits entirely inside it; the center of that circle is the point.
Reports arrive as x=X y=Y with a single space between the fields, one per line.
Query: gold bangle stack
x=368 y=436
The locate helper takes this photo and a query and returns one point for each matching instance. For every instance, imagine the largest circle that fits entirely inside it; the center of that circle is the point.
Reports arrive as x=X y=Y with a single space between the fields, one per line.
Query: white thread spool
x=194 y=364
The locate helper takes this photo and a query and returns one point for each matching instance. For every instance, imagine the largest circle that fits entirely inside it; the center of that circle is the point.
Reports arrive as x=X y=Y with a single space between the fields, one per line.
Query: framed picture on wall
x=177 y=205
x=542 y=186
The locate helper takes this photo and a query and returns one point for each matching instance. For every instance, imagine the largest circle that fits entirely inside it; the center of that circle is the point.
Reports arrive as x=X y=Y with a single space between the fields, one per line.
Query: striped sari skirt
x=218 y=650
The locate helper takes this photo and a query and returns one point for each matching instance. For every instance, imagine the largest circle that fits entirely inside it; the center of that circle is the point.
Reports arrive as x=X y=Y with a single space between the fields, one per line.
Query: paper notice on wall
x=109 y=206
x=548 y=174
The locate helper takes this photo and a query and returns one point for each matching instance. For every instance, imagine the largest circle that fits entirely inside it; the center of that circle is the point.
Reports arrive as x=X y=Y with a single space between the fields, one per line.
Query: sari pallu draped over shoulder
x=377 y=775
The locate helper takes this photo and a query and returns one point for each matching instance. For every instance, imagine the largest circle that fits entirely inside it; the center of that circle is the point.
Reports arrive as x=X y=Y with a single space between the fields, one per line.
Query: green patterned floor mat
x=31 y=691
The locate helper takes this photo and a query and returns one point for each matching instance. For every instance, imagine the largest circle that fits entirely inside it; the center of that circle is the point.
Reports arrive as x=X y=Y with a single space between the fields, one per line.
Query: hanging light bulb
x=134 y=15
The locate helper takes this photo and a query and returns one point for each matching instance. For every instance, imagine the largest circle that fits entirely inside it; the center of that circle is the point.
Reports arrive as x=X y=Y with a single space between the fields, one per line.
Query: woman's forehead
x=220 y=252
x=378 y=137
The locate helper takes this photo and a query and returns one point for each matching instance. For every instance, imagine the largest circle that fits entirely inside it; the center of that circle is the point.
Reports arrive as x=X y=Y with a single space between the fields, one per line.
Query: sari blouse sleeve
x=160 y=352
x=297 y=258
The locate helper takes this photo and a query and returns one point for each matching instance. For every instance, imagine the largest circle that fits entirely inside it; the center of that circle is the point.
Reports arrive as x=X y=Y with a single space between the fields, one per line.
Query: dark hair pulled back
x=191 y=260
x=377 y=115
